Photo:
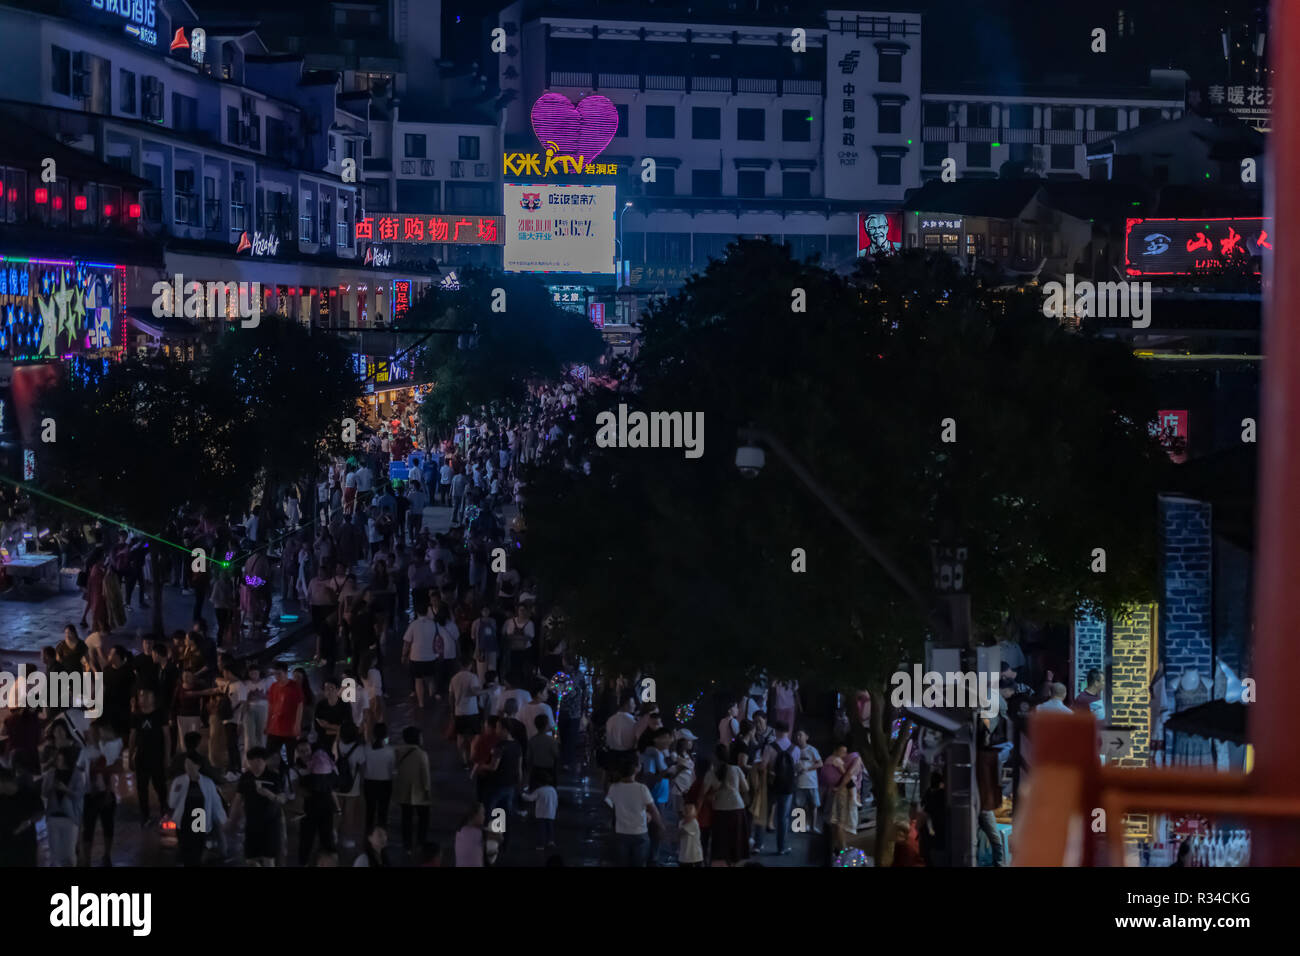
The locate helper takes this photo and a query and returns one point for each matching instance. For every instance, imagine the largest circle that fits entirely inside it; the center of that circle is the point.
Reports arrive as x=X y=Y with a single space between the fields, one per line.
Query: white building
x=748 y=136
x=1047 y=128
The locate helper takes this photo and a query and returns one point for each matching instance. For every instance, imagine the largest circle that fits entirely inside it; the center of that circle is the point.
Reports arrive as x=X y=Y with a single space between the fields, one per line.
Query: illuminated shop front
x=52 y=309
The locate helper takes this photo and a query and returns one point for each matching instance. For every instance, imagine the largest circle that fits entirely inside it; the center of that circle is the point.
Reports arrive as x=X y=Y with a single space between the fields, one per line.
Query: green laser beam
x=153 y=537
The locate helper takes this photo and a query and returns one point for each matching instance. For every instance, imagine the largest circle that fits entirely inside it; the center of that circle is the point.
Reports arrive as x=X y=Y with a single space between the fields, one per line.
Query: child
x=544 y=800
x=684 y=762
x=690 y=851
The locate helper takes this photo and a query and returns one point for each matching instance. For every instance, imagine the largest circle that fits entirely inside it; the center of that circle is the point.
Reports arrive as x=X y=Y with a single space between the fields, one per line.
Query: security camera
x=750 y=460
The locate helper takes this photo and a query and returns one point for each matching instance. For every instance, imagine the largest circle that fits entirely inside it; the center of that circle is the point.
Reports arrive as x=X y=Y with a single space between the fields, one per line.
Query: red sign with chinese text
x=401 y=298
x=1196 y=246
x=1173 y=424
x=453 y=228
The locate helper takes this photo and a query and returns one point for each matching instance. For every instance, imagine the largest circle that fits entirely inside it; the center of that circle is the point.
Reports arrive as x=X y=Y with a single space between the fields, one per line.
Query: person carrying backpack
x=781 y=757
x=348 y=770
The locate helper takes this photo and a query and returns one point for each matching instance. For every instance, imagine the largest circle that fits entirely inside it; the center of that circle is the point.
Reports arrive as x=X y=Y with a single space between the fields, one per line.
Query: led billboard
x=559 y=228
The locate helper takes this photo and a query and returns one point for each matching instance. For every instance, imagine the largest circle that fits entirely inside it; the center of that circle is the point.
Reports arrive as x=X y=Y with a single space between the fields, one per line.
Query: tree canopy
x=684 y=569
x=523 y=337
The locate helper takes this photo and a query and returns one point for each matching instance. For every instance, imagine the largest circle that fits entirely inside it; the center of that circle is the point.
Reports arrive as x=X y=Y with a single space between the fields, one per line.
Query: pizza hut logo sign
x=531 y=201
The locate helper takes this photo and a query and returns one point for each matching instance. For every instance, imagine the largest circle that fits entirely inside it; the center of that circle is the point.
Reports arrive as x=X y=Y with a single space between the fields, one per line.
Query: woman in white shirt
x=377 y=785
x=727 y=785
x=253 y=693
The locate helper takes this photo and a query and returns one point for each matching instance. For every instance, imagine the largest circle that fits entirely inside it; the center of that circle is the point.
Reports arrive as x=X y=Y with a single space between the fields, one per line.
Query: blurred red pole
x=1274 y=716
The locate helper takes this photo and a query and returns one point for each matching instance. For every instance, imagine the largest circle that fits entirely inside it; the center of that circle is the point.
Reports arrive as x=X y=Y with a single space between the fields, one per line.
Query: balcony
x=665 y=83
x=685 y=84
x=1003 y=135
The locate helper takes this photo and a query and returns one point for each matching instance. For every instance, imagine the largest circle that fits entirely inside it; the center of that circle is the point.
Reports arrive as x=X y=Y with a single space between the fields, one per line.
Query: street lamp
x=750 y=460
x=626 y=206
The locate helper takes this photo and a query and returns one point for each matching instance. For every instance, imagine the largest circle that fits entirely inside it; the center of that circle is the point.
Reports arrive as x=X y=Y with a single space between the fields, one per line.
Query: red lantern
x=79 y=203
x=134 y=210
x=108 y=210
x=58 y=202
x=42 y=196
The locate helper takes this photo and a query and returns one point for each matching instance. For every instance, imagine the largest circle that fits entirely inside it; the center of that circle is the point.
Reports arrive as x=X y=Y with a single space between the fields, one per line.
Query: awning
x=1215 y=719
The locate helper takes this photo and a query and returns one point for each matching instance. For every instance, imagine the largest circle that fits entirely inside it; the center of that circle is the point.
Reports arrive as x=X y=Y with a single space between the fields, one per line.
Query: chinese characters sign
x=534 y=164
x=401 y=299
x=139 y=18
x=848 y=65
x=1170 y=426
x=1196 y=246
x=559 y=228
x=49 y=309
x=1250 y=104
x=453 y=228
x=571 y=298
x=947 y=225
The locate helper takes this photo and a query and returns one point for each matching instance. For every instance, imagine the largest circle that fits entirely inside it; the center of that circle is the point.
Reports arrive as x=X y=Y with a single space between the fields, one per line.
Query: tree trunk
x=155 y=562
x=886 y=804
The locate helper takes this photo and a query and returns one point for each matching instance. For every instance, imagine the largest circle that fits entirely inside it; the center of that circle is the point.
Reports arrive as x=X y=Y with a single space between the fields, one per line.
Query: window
x=975 y=244
x=238 y=203
x=889 y=171
x=891 y=66
x=345 y=221
x=185 y=113
x=415 y=145
x=326 y=217
x=1063 y=118
x=665 y=181
x=934 y=114
x=796 y=185
x=1106 y=118
x=307 y=215
x=706 y=122
x=1063 y=157
x=469 y=197
x=232 y=125
x=660 y=122
x=126 y=90
x=211 y=204
x=751 y=124
x=889 y=117
x=668 y=248
x=152 y=94
x=750 y=183
x=622 y=119
x=60 y=71
x=979 y=155
x=1022 y=117
x=935 y=154
x=1149 y=115
x=466 y=147
x=706 y=182
x=796 y=126
x=979 y=115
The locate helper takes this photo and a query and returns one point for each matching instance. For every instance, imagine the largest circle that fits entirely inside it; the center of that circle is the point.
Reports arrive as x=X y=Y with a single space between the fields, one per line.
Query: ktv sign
x=572 y=136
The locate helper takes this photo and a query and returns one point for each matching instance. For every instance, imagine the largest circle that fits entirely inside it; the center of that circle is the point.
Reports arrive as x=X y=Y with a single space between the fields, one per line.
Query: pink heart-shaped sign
x=583 y=130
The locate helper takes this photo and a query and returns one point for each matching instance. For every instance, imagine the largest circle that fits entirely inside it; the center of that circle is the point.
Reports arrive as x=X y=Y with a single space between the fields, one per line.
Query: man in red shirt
x=284 y=712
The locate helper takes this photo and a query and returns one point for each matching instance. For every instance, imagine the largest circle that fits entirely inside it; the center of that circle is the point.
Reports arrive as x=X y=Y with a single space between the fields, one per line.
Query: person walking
x=377 y=780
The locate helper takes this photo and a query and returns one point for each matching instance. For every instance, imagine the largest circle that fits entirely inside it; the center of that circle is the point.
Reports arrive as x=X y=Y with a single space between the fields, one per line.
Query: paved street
x=29 y=622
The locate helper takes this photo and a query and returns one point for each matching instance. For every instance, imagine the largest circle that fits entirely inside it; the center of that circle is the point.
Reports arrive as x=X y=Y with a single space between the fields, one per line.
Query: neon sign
x=260 y=245
x=401 y=298
x=378 y=256
x=1171 y=247
x=461 y=230
x=50 y=309
x=571 y=135
x=140 y=17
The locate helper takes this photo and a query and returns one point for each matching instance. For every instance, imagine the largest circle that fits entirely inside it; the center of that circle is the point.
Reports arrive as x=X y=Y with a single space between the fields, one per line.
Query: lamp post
x=749 y=459
x=626 y=206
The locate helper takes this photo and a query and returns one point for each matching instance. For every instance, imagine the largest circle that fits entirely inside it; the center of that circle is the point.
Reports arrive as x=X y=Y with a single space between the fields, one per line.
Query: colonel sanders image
x=877 y=227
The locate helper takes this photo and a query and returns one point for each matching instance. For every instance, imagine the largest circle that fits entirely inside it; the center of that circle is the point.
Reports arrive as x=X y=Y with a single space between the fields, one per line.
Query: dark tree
x=683 y=569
